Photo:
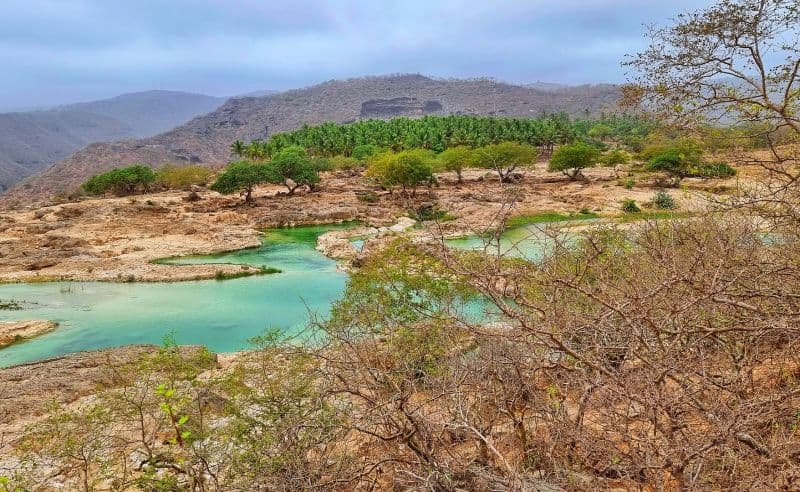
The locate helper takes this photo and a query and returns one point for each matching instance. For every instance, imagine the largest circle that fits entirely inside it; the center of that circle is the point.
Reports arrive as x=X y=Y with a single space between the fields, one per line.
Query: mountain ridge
x=205 y=139
x=30 y=141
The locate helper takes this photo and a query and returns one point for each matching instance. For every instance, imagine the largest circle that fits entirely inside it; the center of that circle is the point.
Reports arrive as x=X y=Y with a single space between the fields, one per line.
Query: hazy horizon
x=58 y=52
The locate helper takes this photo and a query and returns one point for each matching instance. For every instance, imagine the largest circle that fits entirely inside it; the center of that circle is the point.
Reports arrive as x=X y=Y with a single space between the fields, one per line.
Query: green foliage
x=121 y=181
x=690 y=149
x=407 y=169
x=505 y=157
x=615 y=158
x=714 y=170
x=675 y=161
x=629 y=206
x=431 y=213
x=182 y=177
x=456 y=159
x=435 y=133
x=571 y=159
x=293 y=168
x=342 y=163
x=548 y=217
x=748 y=136
x=664 y=200
x=600 y=131
x=363 y=152
x=401 y=286
x=242 y=177
x=238 y=148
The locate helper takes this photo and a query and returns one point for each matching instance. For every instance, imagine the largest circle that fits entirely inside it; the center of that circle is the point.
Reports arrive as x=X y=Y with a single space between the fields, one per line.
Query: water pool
x=222 y=315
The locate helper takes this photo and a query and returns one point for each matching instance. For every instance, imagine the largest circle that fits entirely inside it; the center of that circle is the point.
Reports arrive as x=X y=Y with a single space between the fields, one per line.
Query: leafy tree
x=456 y=159
x=407 y=169
x=242 y=177
x=736 y=60
x=122 y=181
x=364 y=151
x=677 y=164
x=600 y=131
x=293 y=168
x=615 y=158
x=505 y=157
x=572 y=159
x=238 y=148
x=182 y=177
x=435 y=133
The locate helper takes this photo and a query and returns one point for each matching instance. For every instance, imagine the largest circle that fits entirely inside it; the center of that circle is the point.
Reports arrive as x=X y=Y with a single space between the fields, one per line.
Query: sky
x=62 y=51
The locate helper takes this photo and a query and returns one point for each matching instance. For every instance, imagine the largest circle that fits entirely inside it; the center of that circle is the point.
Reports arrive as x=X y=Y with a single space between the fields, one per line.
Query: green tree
x=572 y=159
x=293 y=168
x=674 y=161
x=242 y=177
x=364 y=151
x=456 y=159
x=121 y=181
x=182 y=177
x=615 y=158
x=505 y=157
x=600 y=131
x=407 y=169
x=238 y=148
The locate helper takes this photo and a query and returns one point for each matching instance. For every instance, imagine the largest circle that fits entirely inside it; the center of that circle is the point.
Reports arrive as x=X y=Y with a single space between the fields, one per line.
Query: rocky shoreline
x=18 y=331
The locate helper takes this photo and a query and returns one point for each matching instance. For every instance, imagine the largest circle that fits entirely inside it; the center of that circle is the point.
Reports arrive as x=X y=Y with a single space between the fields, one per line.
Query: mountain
x=206 y=139
x=32 y=141
x=152 y=112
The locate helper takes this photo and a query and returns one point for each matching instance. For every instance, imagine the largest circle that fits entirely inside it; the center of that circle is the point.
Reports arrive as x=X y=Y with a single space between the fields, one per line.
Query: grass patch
x=547 y=217
x=653 y=215
x=220 y=275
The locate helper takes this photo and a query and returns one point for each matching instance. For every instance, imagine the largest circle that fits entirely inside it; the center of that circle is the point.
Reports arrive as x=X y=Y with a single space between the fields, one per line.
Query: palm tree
x=237 y=148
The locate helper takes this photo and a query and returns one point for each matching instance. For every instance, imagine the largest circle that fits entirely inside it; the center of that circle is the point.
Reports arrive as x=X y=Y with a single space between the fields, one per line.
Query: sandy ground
x=117 y=239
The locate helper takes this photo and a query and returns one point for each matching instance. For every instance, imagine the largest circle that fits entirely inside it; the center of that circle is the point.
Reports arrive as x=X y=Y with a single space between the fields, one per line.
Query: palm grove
x=663 y=356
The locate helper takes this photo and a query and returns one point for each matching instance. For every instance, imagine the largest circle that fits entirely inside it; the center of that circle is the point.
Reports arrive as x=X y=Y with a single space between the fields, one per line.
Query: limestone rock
x=14 y=331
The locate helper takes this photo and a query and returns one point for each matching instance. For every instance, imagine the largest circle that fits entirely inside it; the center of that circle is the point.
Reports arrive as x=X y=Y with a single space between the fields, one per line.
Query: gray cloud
x=56 y=51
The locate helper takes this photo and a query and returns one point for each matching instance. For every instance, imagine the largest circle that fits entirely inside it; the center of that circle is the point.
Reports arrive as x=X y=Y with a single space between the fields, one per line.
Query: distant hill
x=34 y=140
x=546 y=86
x=206 y=139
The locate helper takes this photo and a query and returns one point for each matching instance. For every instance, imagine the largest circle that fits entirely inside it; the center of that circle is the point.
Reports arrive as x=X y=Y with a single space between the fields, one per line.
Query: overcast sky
x=59 y=51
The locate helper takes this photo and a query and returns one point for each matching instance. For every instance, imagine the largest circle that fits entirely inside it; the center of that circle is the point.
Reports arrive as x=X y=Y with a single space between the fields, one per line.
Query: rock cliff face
x=206 y=139
x=398 y=106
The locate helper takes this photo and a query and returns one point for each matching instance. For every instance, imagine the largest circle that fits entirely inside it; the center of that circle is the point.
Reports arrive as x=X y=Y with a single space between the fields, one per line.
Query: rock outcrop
x=17 y=331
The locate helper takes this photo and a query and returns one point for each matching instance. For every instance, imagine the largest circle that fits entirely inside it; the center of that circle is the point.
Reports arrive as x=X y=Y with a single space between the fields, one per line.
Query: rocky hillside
x=152 y=112
x=206 y=139
x=32 y=141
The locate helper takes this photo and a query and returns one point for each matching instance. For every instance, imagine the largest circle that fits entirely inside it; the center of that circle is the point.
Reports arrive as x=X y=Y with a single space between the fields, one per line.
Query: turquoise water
x=222 y=315
x=530 y=242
